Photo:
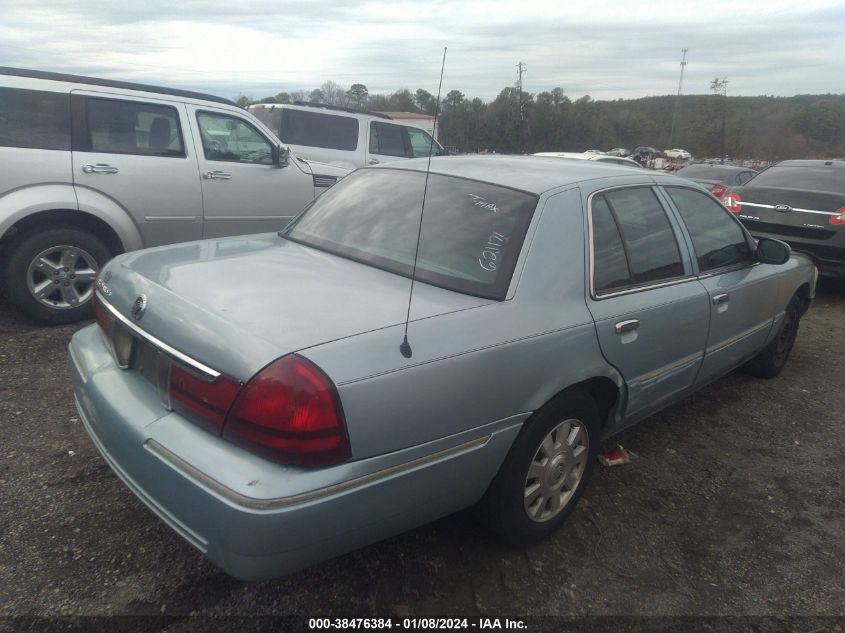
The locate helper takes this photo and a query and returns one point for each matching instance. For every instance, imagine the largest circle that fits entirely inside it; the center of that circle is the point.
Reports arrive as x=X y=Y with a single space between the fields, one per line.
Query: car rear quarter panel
x=481 y=365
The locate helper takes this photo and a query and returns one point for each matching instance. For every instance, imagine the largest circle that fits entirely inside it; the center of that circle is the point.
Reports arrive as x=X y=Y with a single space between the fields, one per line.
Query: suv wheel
x=545 y=471
x=50 y=274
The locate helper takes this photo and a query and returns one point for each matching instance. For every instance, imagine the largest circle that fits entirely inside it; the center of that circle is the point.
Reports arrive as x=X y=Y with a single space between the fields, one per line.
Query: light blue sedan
x=260 y=396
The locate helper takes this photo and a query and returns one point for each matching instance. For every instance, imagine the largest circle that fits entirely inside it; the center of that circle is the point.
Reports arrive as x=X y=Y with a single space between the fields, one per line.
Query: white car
x=677 y=153
x=345 y=137
x=602 y=158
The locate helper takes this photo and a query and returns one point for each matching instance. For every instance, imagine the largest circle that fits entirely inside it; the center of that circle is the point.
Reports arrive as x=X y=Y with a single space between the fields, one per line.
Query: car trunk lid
x=236 y=304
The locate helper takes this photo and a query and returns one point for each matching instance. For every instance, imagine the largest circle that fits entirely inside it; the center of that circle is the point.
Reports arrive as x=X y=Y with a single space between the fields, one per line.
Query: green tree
x=358 y=95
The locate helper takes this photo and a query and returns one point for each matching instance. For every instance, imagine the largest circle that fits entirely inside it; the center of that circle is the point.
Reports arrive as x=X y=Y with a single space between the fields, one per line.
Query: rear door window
x=650 y=243
x=132 y=127
x=717 y=237
x=316 y=129
x=34 y=119
x=388 y=139
x=610 y=262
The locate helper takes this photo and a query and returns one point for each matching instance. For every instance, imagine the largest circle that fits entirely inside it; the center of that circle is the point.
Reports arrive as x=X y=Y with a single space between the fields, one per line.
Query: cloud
x=605 y=49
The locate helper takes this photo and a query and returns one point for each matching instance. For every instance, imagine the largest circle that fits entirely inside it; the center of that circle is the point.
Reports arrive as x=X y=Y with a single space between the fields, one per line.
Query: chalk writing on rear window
x=484 y=204
x=492 y=250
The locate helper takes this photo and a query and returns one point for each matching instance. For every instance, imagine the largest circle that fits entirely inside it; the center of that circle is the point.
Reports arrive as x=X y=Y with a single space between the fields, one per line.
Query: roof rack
x=325 y=106
x=110 y=83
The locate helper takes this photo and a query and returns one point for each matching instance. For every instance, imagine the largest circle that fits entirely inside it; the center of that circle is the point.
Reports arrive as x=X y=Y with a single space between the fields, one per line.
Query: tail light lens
x=202 y=401
x=290 y=412
x=838 y=220
x=732 y=202
x=719 y=190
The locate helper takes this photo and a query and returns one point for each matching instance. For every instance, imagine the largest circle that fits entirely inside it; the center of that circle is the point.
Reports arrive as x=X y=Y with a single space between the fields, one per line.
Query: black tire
x=503 y=507
x=23 y=252
x=771 y=361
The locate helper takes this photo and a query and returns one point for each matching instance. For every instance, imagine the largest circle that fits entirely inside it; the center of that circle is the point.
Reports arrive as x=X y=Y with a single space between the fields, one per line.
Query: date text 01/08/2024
x=316 y=624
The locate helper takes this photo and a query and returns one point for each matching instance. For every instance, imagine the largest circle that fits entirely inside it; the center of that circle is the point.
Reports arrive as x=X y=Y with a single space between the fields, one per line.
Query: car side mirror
x=771 y=251
x=281 y=156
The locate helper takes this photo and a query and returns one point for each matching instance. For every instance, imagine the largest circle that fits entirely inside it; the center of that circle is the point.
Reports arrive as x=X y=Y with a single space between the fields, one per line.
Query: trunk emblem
x=139 y=307
x=783 y=208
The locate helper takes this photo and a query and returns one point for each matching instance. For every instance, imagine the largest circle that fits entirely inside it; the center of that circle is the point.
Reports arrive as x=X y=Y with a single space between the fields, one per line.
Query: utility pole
x=718 y=86
x=684 y=62
x=520 y=69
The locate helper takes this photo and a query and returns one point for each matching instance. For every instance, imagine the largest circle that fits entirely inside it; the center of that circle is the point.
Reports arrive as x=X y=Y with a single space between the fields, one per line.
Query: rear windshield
x=821 y=178
x=470 y=239
x=318 y=130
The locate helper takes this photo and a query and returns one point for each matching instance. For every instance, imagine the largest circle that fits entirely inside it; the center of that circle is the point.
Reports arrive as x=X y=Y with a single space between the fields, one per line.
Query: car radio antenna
x=405 y=346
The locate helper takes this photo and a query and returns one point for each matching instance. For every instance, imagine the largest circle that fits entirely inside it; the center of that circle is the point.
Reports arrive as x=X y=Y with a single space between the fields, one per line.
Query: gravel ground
x=733 y=506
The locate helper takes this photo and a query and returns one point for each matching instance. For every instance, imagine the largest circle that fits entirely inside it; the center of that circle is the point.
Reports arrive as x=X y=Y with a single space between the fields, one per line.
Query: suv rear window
x=34 y=119
x=316 y=129
x=821 y=178
x=471 y=235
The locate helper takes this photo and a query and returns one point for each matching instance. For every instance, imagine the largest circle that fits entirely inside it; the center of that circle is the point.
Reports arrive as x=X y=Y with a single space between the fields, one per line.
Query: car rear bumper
x=256 y=519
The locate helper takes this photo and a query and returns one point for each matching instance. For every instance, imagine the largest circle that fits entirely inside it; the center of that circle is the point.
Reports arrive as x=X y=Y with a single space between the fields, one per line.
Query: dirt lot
x=735 y=505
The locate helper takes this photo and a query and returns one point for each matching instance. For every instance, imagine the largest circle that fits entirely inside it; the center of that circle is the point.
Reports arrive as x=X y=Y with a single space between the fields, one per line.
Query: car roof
x=831 y=162
x=534 y=174
x=111 y=83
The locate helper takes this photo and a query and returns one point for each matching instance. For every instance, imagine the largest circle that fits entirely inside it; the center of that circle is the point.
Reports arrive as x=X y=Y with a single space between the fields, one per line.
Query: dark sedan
x=717 y=178
x=801 y=202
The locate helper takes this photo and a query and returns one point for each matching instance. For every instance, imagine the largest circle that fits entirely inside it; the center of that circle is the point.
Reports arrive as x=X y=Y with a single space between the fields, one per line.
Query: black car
x=801 y=202
x=717 y=178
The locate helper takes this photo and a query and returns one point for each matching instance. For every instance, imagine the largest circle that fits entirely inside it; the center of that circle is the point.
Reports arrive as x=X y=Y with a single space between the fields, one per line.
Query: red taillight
x=290 y=412
x=732 y=202
x=719 y=190
x=202 y=401
x=838 y=220
x=100 y=313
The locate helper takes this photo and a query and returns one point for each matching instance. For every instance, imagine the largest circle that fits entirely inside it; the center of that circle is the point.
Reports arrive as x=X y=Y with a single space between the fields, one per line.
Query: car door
x=132 y=152
x=742 y=293
x=388 y=142
x=650 y=311
x=243 y=192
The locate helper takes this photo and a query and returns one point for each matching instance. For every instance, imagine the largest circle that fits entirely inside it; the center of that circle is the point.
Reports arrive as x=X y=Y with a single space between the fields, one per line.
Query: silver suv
x=92 y=168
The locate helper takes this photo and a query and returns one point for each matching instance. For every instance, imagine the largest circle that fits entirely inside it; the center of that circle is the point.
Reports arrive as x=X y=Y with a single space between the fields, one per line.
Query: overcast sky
x=607 y=49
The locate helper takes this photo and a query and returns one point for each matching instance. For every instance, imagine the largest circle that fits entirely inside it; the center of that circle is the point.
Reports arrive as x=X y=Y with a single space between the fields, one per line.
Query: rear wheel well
x=72 y=217
x=603 y=391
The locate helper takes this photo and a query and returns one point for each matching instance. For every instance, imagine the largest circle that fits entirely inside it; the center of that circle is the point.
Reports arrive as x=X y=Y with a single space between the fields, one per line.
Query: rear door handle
x=627 y=326
x=217 y=175
x=99 y=168
x=373 y=161
x=720 y=299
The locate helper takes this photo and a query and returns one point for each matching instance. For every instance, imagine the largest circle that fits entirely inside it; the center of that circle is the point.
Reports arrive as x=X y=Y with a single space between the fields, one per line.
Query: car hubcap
x=556 y=470
x=62 y=277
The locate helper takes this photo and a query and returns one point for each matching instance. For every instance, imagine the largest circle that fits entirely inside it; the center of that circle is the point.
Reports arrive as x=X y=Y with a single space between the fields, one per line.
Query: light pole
x=720 y=86
x=684 y=62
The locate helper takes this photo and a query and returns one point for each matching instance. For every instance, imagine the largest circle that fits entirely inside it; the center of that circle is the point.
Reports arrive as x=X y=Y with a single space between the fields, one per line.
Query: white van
x=343 y=136
x=90 y=168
